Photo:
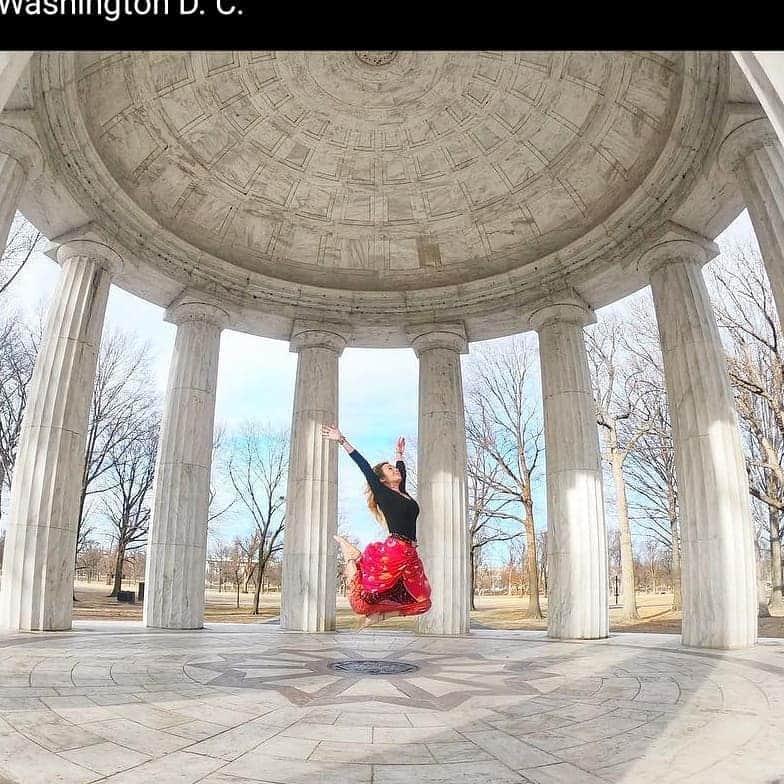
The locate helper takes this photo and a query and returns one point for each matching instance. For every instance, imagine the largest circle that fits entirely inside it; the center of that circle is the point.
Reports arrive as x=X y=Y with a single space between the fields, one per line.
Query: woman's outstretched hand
x=331 y=432
x=400 y=447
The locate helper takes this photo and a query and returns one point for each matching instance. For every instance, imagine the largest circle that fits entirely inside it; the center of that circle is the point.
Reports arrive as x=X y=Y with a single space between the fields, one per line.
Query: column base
x=176 y=628
x=565 y=638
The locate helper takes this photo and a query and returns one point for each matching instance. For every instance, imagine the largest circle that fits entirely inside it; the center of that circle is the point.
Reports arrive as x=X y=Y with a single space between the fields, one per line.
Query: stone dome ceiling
x=381 y=189
x=381 y=169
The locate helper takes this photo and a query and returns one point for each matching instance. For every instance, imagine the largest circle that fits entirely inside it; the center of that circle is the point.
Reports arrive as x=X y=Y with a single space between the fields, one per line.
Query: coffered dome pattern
x=385 y=189
x=426 y=168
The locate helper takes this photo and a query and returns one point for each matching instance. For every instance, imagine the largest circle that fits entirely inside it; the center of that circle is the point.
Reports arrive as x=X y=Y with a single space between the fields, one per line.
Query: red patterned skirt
x=390 y=578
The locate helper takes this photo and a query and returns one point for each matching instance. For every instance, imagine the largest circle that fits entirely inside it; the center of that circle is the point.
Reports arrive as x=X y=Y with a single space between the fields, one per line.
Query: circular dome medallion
x=352 y=96
x=376 y=59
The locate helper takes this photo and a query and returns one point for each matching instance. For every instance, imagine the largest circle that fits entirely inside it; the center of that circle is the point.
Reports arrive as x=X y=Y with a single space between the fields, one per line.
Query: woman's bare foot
x=371 y=620
x=350 y=553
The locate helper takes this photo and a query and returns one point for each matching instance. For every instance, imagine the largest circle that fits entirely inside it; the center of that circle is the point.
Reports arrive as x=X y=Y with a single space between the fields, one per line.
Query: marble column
x=718 y=566
x=442 y=529
x=21 y=162
x=578 y=591
x=38 y=567
x=753 y=153
x=309 y=553
x=764 y=72
x=177 y=541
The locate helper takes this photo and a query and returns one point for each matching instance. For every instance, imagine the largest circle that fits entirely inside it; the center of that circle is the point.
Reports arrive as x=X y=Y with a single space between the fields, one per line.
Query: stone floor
x=113 y=702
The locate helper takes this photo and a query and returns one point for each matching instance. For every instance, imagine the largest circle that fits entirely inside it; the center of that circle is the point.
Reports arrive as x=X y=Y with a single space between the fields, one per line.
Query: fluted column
x=20 y=163
x=753 y=153
x=38 y=567
x=718 y=566
x=764 y=72
x=177 y=541
x=309 y=563
x=577 y=585
x=442 y=531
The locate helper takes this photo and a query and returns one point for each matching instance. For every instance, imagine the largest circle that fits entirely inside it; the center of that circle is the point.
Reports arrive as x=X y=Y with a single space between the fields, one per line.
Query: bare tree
x=257 y=466
x=503 y=421
x=217 y=507
x=515 y=555
x=653 y=560
x=23 y=240
x=127 y=502
x=752 y=334
x=249 y=546
x=90 y=561
x=18 y=352
x=541 y=558
x=760 y=521
x=649 y=468
x=123 y=406
x=484 y=499
x=480 y=571
x=217 y=552
x=651 y=473
x=236 y=565
x=231 y=564
x=624 y=417
x=614 y=555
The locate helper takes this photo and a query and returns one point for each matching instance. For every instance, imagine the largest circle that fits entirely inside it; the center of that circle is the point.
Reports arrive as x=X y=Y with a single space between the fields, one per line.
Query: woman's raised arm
x=333 y=434
x=400 y=448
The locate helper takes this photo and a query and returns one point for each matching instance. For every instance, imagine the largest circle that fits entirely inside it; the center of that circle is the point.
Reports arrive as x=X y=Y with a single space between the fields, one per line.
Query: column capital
x=318 y=334
x=17 y=141
x=675 y=244
x=744 y=140
x=192 y=307
x=424 y=337
x=91 y=249
x=567 y=307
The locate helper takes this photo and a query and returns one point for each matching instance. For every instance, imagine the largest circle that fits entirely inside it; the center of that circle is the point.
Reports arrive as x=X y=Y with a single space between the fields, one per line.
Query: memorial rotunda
x=388 y=199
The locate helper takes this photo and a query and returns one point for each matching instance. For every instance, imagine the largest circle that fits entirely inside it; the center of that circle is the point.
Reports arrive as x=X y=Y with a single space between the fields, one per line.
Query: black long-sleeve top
x=400 y=511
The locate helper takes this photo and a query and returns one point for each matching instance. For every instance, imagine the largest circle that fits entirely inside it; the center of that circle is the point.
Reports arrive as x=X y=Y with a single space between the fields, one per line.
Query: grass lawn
x=493 y=612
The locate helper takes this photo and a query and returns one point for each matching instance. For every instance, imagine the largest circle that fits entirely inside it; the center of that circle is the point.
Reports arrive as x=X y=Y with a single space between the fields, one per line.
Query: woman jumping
x=388 y=578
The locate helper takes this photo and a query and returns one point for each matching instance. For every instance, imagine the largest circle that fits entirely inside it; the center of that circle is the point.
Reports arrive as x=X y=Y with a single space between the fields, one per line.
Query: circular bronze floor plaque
x=372 y=667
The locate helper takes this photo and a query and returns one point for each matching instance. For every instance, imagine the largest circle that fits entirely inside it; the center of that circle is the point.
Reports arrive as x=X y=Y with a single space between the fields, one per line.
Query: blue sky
x=378 y=387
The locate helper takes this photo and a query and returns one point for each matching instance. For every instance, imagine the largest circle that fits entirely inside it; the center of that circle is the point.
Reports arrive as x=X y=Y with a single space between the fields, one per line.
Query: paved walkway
x=237 y=704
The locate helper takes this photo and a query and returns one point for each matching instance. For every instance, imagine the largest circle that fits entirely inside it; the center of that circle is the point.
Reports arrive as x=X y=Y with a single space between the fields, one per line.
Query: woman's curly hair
x=371 y=499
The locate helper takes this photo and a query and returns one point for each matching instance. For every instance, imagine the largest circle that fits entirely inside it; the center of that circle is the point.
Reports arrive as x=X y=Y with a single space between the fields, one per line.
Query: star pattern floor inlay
x=113 y=702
